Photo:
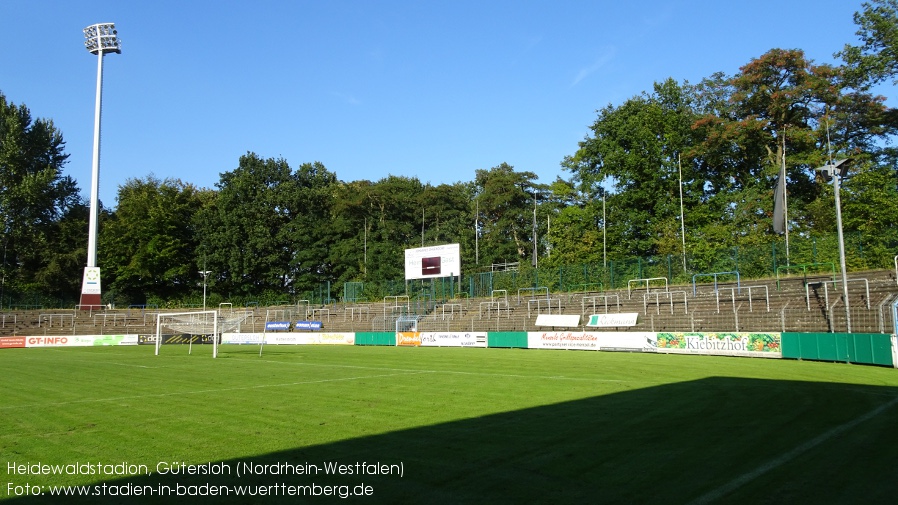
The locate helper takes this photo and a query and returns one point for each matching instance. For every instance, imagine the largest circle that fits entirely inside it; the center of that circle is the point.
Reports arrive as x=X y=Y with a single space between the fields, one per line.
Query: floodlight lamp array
x=839 y=168
x=102 y=37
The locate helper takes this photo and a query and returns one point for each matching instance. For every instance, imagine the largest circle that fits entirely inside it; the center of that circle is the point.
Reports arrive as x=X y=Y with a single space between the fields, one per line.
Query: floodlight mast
x=100 y=39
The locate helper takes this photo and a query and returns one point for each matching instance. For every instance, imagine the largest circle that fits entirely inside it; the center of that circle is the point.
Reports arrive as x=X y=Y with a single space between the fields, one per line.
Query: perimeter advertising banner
x=431 y=262
x=180 y=339
x=11 y=342
x=453 y=339
x=757 y=345
x=408 y=338
x=329 y=338
x=242 y=338
x=80 y=340
x=592 y=340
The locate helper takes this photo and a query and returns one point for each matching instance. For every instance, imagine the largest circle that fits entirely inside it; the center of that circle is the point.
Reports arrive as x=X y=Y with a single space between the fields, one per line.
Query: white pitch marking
x=745 y=478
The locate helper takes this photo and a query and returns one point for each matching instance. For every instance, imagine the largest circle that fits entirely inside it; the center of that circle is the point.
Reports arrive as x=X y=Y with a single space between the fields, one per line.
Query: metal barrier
x=540 y=301
x=807 y=290
x=883 y=303
x=533 y=290
x=361 y=309
x=50 y=317
x=804 y=269
x=646 y=281
x=750 y=305
x=668 y=294
x=597 y=297
x=498 y=305
x=114 y=315
x=452 y=307
x=396 y=304
x=714 y=274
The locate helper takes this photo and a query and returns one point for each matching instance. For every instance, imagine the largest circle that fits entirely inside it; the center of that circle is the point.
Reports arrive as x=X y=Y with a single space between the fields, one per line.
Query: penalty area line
x=784 y=458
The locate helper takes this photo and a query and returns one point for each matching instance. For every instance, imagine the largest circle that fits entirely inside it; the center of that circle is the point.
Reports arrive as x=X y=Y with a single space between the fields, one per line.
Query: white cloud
x=606 y=56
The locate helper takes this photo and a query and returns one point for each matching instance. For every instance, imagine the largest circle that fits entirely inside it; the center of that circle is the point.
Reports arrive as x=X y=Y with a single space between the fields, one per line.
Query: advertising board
x=592 y=340
x=408 y=338
x=758 y=345
x=324 y=338
x=80 y=340
x=11 y=342
x=453 y=339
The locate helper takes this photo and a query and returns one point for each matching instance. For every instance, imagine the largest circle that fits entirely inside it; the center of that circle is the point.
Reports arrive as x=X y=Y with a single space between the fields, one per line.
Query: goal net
x=204 y=323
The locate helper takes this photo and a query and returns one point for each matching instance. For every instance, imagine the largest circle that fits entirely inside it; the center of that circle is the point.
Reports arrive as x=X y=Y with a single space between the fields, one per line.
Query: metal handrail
x=714 y=274
x=596 y=297
x=647 y=281
x=668 y=294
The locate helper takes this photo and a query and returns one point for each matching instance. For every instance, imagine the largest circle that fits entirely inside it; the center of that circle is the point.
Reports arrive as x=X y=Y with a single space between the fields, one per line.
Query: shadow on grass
x=674 y=443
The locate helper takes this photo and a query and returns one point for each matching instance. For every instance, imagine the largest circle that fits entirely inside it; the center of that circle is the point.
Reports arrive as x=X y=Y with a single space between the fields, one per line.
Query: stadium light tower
x=99 y=39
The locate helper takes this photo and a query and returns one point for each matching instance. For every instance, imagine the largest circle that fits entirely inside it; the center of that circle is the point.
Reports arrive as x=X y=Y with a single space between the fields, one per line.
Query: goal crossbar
x=192 y=323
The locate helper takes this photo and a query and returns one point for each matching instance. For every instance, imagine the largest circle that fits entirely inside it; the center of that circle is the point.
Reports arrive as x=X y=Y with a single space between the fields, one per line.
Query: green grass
x=467 y=425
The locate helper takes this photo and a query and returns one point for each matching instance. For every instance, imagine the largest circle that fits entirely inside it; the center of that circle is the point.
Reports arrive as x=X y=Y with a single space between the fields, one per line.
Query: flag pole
x=682 y=217
x=785 y=199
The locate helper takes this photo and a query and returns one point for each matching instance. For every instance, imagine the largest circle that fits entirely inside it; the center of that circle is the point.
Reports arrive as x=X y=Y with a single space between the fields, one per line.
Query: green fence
x=506 y=339
x=860 y=348
x=375 y=338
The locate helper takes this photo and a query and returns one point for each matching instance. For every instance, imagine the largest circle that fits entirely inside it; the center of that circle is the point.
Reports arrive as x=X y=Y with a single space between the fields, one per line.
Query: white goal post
x=192 y=323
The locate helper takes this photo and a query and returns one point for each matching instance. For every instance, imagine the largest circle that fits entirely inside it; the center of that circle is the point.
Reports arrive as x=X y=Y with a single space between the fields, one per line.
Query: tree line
x=682 y=170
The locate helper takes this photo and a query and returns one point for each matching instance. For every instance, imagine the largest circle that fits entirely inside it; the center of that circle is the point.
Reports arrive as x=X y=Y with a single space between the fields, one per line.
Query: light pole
x=204 y=273
x=99 y=39
x=535 y=259
x=836 y=171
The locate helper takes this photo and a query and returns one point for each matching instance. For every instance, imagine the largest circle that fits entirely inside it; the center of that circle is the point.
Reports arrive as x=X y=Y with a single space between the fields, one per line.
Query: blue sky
x=429 y=89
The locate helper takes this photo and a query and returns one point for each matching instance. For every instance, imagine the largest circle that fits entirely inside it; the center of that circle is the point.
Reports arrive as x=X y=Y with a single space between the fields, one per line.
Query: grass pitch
x=440 y=426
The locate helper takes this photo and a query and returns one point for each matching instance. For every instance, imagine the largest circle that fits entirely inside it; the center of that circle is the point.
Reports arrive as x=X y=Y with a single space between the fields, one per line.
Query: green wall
x=375 y=338
x=506 y=339
x=861 y=348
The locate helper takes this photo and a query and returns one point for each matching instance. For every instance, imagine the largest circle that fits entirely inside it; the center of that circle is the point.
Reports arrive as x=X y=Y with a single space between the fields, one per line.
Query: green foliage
x=876 y=59
x=149 y=245
x=505 y=199
x=246 y=233
x=39 y=209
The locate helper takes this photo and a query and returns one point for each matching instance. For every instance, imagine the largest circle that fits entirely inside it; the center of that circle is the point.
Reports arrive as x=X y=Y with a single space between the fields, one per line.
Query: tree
x=876 y=59
x=245 y=238
x=308 y=231
x=349 y=227
x=150 y=243
x=506 y=200
x=634 y=154
x=780 y=95
x=394 y=218
x=37 y=207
